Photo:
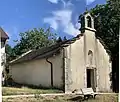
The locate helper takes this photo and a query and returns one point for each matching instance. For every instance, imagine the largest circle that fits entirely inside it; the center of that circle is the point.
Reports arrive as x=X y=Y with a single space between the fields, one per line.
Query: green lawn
x=65 y=98
x=25 y=91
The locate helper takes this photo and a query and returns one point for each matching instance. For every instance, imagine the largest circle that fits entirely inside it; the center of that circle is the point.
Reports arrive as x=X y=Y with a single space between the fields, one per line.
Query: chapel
x=80 y=62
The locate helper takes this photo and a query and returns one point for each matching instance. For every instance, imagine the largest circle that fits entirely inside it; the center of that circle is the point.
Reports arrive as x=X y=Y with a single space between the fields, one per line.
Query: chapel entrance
x=91 y=78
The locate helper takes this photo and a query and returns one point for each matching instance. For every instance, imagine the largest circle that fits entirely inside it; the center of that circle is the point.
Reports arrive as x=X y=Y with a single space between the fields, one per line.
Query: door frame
x=93 y=77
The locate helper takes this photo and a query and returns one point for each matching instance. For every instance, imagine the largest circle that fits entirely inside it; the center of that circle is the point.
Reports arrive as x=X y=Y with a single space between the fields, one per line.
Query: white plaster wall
x=38 y=72
x=76 y=51
x=100 y=61
x=89 y=38
x=2 y=51
x=35 y=72
x=104 y=82
x=78 y=54
x=89 y=44
x=57 y=70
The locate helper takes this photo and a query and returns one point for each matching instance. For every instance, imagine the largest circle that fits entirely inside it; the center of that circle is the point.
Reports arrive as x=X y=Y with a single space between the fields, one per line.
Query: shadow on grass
x=76 y=99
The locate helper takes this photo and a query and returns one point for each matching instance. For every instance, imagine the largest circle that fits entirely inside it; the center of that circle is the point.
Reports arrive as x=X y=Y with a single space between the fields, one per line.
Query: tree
x=32 y=40
x=64 y=39
x=107 y=25
x=107 y=19
x=9 y=53
x=59 y=40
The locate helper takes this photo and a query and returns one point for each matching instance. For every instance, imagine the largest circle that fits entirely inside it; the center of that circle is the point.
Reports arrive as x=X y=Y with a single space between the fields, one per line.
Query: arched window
x=89 y=24
x=90 y=56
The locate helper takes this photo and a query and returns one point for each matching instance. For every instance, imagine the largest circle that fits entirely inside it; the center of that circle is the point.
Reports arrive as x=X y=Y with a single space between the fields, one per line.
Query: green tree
x=59 y=40
x=9 y=53
x=107 y=19
x=34 y=39
x=107 y=24
x=64 y=39
x=9 y=57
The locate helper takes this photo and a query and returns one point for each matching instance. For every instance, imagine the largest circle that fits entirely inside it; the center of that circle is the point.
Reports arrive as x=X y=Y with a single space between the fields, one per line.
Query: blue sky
x=61 y=15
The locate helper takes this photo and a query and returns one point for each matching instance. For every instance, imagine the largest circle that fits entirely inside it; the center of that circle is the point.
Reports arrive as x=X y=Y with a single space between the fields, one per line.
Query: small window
x=89 y=24
x=90 y=56
x=90 y=52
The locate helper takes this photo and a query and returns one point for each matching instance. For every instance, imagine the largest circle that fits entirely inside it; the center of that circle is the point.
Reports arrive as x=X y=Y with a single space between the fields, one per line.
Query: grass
x=25 y=91
x=65 y=98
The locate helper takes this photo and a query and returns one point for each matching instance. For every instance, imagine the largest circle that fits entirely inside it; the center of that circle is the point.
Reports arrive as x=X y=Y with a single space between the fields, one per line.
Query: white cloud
x=65 y=20
x=66 y=4
x=62 y=18
x=52 y=22
x=88 y=2
x=53 y=1
x=70 y=29
x=77 y=25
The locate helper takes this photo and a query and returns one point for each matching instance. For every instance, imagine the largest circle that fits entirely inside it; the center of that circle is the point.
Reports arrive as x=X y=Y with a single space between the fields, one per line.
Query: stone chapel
x=80 y=62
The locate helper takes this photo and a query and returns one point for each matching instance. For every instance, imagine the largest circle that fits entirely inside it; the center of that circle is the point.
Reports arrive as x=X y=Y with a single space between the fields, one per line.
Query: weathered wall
x=100 y=61
x=89 y=45
x=2 y=50
x=77 y=61
x=104 y=69
x=58 y=74
x=3 y=56
x=35 y=72
x=75 y=65
x=38 y=72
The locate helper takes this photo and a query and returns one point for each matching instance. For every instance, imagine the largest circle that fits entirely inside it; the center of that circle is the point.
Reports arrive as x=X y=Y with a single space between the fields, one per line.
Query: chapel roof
x=45 y=52
x=50 y=51
x=3 y=35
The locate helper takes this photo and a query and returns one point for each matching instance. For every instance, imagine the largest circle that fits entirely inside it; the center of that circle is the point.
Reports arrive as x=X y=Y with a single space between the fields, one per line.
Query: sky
x=61 y=16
